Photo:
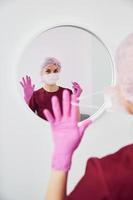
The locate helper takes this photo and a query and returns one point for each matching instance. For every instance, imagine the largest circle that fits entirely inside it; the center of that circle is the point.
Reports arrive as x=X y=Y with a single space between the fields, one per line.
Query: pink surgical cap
x=51 y=61
x=124 y=66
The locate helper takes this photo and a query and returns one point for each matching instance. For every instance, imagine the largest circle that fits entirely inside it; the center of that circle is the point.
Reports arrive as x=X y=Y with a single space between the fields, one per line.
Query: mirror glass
x=65 y=57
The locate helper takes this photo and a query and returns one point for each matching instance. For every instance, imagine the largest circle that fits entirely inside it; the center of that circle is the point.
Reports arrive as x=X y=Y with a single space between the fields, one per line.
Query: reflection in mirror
x=65 y=57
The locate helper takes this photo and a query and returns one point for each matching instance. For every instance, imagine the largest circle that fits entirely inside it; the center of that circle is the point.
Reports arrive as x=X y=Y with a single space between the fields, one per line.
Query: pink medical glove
x=76 y=89
x=66 y=132
x=28 y=88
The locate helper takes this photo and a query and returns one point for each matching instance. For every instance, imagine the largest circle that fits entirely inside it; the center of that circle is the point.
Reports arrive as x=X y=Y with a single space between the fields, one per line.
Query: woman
x=40 y=99
x=108 y=178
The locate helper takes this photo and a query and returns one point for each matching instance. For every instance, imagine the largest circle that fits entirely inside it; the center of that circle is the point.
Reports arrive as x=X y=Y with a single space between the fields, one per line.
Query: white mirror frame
x=103 y=108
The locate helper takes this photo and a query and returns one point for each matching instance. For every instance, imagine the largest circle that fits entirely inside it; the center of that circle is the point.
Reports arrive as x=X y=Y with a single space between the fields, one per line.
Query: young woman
x=108 y=178
x=40 y=99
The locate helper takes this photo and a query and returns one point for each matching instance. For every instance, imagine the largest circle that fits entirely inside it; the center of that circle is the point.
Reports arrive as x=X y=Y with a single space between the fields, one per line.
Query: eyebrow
x=53 y=69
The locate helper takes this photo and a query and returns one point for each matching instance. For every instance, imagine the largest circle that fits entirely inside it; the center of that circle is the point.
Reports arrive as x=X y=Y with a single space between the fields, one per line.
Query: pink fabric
x=77 y=90
x=28 y=88
x=65 y=130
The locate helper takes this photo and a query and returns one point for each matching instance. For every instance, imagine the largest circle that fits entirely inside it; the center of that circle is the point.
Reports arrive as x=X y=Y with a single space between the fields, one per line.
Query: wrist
x=27 y=99
x=61 y=162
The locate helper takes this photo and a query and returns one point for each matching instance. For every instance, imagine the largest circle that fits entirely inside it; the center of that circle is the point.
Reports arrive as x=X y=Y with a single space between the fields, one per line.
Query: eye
x=56 y=71
x=48 y=71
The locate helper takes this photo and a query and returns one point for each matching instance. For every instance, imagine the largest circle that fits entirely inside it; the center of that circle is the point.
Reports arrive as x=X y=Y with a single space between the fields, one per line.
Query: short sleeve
x=69 y=91
x=92 y=185
x=32 y=103
x=107 y=178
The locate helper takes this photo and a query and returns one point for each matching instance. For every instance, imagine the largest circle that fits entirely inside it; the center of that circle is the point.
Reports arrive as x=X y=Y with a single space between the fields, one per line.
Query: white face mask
x=50 y=79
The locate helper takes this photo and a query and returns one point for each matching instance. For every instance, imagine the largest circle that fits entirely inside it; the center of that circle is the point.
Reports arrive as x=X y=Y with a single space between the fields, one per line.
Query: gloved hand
x=28 y=88
x=77 y=90
x=66 y=132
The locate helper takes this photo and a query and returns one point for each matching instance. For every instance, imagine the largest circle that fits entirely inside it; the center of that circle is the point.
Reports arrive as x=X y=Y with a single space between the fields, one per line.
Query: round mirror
x=67 y=57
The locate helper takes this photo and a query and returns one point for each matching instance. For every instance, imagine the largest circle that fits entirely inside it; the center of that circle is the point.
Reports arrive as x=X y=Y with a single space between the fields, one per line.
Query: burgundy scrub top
x=107 y=178
x=41 y=99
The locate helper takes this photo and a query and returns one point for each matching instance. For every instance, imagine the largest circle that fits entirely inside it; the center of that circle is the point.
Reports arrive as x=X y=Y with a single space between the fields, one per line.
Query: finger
x=66 y=103
x=76 y=86
x=48 y=115
x=22 y=84
x=75 y=83
x=29 y=79
x=56 y=108
x=84 y=125
x=74 y=107
x=74 y=91
x=33 y=87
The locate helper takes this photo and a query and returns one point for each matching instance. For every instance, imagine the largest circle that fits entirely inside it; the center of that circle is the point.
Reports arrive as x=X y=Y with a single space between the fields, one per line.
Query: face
x=126 y=103
x=51 y=69
x=50 y=74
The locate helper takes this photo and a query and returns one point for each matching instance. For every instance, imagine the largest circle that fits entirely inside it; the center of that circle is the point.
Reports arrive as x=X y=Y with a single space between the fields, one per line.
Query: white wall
x=25 y=142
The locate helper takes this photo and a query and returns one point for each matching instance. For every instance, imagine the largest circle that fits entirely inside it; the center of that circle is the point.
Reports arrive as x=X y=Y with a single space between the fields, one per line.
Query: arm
x=57 y=186
x=66 y=136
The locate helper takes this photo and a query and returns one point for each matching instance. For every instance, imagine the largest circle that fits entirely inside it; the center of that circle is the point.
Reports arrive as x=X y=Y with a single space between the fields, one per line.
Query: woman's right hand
x=66 y=132
x=28 y=88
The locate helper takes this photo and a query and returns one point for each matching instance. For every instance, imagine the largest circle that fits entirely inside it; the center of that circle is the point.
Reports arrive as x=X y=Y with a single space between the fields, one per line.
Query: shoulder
x=122 y=157
x=39 y=91
x=64 y=88
x=92 y=185
x=114 y=159
x=93 y=167
x=107 y=165
x=100 y=175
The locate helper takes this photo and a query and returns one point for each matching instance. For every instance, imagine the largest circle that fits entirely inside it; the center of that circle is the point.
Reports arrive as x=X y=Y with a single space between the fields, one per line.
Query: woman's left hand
x=77 y=90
